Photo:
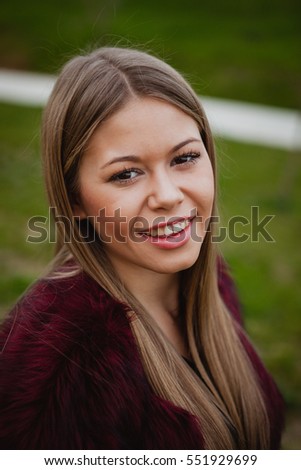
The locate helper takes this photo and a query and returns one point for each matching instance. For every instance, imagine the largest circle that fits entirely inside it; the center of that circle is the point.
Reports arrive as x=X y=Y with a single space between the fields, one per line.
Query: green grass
x=246 y=50
x=267 y=273
x=22 y=196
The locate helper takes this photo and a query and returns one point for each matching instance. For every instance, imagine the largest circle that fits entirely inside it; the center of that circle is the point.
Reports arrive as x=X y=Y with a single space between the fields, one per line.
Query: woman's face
x=147 y=184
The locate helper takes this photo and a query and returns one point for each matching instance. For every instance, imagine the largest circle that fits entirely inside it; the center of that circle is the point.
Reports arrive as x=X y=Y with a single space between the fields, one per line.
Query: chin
x=177 y=265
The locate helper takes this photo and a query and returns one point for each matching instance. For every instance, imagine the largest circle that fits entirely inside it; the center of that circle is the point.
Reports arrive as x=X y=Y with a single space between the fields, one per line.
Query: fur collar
x=71 y=376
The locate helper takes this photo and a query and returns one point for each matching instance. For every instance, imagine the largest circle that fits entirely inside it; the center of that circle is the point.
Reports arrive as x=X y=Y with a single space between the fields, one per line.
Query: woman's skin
x=148 y=163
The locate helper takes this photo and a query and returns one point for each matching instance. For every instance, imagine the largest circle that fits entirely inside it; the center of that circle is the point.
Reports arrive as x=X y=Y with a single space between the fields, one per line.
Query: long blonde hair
x=227 y=400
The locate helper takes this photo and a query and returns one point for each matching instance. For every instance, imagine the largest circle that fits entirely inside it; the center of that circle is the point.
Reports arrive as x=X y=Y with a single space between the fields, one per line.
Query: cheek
x=208 y=199
x=209 y=187
x=95 y=202
x=109 y=214
x=204 y=200
x=205 y=194
x=204 y=183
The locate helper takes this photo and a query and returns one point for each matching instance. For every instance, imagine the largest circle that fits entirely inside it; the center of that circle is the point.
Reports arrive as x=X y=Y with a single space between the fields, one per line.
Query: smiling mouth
x=168 y=230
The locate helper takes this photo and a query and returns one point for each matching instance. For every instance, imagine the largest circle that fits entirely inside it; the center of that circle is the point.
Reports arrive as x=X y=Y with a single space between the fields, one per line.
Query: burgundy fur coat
x=71 y=376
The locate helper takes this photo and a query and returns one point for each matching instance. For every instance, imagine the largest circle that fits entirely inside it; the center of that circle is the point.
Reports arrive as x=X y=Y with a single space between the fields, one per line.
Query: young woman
x=133 y=340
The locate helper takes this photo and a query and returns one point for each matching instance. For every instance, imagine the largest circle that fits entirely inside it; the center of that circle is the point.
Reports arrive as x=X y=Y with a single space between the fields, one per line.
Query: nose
x=165 y=192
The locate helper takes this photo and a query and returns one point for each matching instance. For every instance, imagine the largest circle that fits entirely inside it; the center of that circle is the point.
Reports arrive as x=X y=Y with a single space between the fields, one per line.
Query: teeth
x=179 y=226
x=153 y=233
x=169 y=229
x=161 y=231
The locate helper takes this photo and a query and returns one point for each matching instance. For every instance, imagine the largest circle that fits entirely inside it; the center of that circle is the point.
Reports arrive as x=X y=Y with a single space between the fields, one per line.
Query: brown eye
x=186 y=158
x=127 y=174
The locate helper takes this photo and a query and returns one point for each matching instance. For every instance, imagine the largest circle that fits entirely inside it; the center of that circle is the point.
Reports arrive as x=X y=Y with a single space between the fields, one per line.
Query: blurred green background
x=248 y=51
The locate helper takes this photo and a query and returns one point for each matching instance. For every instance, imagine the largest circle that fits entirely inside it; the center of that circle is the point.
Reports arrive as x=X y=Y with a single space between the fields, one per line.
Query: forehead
x=143 y=123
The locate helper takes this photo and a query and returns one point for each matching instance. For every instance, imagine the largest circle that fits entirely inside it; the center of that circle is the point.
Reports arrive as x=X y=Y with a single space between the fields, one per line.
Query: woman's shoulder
x=55 y=299
x=57 y=314
x=62 y=291
x=67 y=349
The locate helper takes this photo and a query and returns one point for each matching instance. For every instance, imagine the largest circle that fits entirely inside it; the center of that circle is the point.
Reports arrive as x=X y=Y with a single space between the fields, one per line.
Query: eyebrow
x=134 y=158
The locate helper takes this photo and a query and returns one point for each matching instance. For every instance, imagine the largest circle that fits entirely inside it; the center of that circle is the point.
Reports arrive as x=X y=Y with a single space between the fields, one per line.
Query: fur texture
x=71 y=376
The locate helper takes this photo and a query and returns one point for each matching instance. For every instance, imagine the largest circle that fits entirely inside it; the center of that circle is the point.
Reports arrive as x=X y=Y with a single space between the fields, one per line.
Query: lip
x=173 y=241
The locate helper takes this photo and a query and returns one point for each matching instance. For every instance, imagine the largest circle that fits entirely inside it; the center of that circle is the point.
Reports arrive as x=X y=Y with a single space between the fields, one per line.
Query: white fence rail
x=244 y=122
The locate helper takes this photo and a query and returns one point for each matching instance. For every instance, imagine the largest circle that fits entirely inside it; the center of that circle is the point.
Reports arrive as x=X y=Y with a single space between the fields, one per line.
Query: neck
x=155 y=291
x=159 y=295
